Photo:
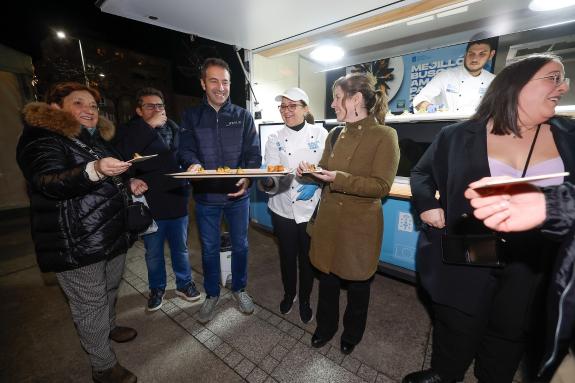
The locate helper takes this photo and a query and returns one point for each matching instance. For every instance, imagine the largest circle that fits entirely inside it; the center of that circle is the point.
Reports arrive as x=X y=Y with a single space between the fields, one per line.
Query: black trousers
x=355 y=316
x=495 y=336
x=294 y=244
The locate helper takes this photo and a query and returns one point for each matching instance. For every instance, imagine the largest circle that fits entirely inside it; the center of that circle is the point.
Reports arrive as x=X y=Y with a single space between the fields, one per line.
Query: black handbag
x=473 y=249
x=471 y=243
x=139 y=217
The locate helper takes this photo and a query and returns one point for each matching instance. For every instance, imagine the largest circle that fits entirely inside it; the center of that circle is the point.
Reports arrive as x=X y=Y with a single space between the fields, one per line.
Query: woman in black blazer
x=484 y=313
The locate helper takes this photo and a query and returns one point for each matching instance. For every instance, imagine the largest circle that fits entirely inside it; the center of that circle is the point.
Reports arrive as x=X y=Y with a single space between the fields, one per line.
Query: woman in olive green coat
x=346 y=236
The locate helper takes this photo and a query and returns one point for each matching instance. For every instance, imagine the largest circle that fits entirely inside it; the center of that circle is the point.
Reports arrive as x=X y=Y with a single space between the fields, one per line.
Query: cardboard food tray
x=317 y=170
x=512 y=181
x=142 y=158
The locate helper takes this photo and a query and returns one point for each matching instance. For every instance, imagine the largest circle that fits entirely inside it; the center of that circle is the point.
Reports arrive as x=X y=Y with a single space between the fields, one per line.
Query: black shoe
x=346 y=348
x=156 y=299
x=122 y=334
x=287 y=303
x=425 y=376
x=318 y=342
x=116 y=374
x=305 y=312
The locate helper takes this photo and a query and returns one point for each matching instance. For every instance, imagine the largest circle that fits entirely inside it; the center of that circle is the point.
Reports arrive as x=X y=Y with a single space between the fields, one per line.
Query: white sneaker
x=245 y=302
x=208 y=309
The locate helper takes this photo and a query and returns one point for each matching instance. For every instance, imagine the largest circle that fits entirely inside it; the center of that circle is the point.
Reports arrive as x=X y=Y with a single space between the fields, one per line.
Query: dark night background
x=131 y=54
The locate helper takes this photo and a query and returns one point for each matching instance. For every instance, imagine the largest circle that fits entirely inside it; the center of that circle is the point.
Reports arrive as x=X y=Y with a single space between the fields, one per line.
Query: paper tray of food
x=512 y=181
x=313 y=169
x=139 y=158
x=231 y=173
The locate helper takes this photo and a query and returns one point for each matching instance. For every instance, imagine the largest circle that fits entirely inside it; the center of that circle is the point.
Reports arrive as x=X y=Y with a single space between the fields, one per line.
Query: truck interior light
x=327 y=53
x=549 y=5
x=452 y=12
x=421 y=20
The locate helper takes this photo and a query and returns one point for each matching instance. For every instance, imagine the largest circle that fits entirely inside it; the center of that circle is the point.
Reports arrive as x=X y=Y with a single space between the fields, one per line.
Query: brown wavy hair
x=364 y=83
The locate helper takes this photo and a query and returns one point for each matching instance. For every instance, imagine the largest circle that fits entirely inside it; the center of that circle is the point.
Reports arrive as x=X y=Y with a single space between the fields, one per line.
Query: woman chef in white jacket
x=293 y=199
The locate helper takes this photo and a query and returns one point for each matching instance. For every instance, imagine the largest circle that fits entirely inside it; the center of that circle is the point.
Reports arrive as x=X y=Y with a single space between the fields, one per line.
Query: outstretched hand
x=110 y=166
x=508 y=208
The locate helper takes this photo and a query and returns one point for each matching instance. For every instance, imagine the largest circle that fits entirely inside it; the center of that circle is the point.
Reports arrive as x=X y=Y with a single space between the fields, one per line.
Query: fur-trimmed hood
x=42 y=115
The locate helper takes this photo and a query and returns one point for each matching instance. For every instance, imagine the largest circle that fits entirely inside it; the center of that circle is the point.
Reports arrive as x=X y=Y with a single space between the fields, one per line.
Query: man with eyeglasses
x=150 y=132
x=460 y=89
x=219 y=134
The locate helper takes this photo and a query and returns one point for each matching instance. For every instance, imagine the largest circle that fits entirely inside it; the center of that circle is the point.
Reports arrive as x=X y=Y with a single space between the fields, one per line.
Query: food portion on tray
x=226 y=172
x=139 y=158
x=312 y=169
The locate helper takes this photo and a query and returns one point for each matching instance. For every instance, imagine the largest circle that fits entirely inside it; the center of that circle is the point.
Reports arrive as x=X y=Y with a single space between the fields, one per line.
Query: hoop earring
x=355 y=110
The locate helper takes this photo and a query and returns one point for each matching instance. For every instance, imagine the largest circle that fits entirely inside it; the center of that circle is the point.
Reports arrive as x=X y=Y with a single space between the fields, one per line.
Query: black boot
x=425 y=376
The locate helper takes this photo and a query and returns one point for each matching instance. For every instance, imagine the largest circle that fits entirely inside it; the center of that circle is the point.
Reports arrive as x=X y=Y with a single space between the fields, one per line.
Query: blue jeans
x=209 y=218
x=176 y=232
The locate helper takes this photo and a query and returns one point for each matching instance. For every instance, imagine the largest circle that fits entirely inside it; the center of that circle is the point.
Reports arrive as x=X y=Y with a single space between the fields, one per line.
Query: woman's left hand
x=138 y=186
x=325 y=175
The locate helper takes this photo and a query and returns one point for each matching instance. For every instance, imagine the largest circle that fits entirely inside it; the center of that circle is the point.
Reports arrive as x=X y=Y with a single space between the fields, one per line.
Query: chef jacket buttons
x=359 y=127
x=331 y=155
x=340 y=203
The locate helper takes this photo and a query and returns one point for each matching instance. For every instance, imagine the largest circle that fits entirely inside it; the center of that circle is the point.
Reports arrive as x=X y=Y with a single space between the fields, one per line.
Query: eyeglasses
x=557 y=79
x=153 y=106
x=290 y=107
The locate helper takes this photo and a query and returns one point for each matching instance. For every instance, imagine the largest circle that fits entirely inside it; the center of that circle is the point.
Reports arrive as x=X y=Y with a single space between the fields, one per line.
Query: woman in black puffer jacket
x=78 y=202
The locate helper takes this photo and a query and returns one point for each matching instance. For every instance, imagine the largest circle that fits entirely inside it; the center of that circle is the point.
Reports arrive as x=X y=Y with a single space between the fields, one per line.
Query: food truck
x=403 y=43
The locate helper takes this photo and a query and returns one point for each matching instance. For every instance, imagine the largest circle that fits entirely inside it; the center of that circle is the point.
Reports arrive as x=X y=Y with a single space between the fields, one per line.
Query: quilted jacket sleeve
x=48 y=169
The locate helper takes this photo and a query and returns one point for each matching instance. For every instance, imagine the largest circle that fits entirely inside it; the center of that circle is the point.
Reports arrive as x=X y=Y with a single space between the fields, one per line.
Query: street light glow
x=61 y=34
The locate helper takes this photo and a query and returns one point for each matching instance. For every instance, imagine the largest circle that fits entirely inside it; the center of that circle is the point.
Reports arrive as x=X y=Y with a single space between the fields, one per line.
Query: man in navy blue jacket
x=151 y=132
x=218 y=134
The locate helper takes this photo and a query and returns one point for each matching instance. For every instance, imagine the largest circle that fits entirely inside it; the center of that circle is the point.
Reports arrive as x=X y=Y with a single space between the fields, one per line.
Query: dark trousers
x=355 y=316
x=294 y=242
x=495 y=336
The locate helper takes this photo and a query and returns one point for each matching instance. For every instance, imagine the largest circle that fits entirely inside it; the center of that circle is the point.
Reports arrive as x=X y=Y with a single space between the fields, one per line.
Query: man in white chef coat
x=460 y=89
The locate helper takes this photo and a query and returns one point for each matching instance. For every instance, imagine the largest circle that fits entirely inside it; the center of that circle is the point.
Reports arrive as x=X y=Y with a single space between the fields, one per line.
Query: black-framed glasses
x=557 y=79
x=290 y=107
x=153 y=106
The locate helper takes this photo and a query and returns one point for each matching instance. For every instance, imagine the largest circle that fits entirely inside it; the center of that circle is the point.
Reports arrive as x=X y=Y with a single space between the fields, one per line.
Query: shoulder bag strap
x=530 y=151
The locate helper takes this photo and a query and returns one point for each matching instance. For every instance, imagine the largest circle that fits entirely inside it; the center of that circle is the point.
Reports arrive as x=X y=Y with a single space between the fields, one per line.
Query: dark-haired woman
x=485 y=313
x=77 y=202
x=346 y=237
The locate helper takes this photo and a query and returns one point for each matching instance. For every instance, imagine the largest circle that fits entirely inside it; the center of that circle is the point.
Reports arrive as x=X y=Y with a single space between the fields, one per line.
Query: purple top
x=552 y=165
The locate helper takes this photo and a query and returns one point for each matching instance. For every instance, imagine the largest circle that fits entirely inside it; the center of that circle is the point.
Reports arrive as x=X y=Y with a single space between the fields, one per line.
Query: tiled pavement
x=39 y=343
x=263 y=347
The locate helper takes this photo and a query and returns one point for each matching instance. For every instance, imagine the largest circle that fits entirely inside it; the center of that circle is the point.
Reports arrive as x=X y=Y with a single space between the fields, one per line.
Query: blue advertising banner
x=404 y=76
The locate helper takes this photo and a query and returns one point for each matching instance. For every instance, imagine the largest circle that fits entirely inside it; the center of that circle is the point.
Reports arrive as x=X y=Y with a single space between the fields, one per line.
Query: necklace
x=523 y=131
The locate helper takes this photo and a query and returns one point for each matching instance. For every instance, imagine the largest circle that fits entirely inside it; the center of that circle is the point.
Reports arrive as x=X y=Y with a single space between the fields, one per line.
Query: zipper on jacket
x=219 y=136
x=557 y=329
